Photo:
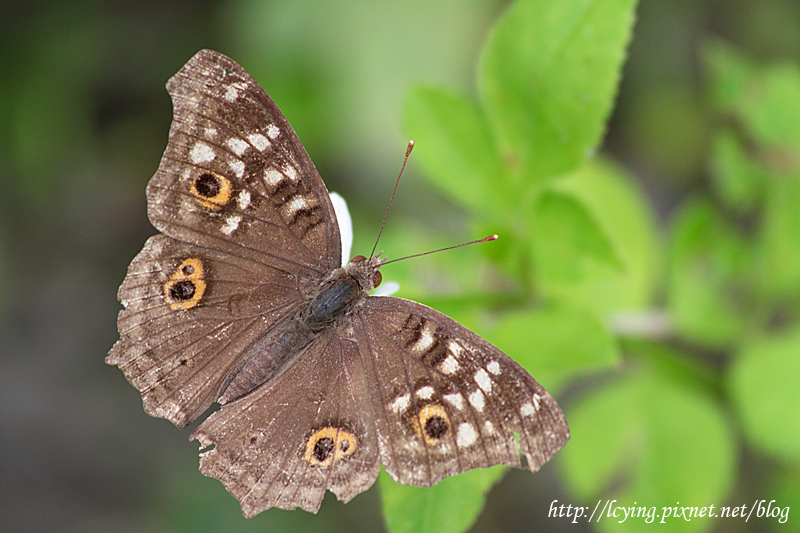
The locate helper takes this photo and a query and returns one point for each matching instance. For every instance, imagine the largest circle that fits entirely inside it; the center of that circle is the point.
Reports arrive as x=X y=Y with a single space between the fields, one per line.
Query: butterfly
x=242 y=300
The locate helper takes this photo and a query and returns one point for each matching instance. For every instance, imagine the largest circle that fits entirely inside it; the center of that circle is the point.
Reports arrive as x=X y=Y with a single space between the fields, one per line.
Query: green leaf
x=569 y=244
x=555 y=342
x=548 y=78
x=649 y=440
x=766 y=99
x=624 y=218
x=738 y=179
x=454 y=144
x=779 y=243
x=449 y=507
x=708 y=295
x=763 y=385
x=729 y=73
x=785 y=489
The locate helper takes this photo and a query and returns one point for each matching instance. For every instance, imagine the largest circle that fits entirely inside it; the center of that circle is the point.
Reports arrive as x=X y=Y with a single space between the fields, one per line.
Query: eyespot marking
x=329 y=444
x=212 y=190
x=432 y=423
x=186 y=286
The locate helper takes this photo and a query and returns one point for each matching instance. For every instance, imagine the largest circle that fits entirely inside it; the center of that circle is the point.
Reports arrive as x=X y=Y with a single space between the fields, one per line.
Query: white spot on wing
x=244 y=200
x=211 y=133
x=231 y=223
x=476 y=399
x=237 y=166
x=466 y=434
x=483 y=380
x=488 y=427
x=449 y=365
x=273 y=177
x=536 y=399
x=425 y=393
x=296 y=203
x=259 y=141
x=425 y=339
x=454 y=348
x=400 y=403
x=290 y=172
x=273 y=131
x=494 y=368
x=237 y=145
x=456 y=400
x=527 y=409
x=233 y=90
x=201 y=153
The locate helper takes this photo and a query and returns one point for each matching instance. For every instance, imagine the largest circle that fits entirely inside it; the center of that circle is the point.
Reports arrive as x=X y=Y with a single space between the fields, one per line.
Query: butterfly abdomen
x=266 y=358
x=277 y=350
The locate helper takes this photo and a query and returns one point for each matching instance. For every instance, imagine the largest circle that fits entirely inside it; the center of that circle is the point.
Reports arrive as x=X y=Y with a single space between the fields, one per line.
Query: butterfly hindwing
x=448 y=401
x=309 y=429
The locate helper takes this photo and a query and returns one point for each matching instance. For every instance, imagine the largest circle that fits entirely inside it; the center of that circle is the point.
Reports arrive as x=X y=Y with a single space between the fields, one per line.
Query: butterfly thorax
x=279 y=348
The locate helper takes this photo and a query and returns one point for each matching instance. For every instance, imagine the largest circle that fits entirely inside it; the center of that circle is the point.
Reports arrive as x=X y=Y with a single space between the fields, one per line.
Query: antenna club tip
x=411 y=142
x=491 y=238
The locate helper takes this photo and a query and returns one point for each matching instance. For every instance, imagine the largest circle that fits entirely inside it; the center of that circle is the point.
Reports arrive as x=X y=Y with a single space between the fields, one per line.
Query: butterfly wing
x=446 y=401
x=249 y=231
x=234 y=176
x=307 y=430
x=402 y=385
x=189 y=313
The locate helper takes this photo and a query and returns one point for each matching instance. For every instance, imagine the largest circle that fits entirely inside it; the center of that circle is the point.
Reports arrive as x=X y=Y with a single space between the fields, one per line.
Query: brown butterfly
x=242 y=300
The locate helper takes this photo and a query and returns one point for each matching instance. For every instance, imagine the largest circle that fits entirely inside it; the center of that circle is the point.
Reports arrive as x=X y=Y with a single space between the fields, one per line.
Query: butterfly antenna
x=485 y=239
x=408 y=152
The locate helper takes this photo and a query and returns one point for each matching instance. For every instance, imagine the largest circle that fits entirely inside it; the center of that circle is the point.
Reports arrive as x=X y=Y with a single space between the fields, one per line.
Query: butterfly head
x=366 y=271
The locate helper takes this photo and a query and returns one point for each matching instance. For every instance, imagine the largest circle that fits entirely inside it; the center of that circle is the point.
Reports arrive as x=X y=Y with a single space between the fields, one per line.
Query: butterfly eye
x=358 y=259
x=376 y=279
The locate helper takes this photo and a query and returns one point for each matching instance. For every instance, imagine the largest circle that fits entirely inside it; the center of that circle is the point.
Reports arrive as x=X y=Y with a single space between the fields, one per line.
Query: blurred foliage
x=522 y=159
x=653 y=288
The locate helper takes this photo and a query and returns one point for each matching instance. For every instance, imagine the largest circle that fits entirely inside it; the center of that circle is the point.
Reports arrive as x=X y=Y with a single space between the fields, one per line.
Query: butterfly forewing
x=235 y=177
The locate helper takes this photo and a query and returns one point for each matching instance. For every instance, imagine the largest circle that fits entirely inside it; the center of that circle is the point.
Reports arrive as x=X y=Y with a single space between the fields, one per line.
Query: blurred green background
x=84 y=118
